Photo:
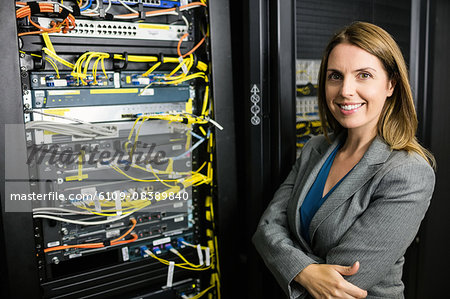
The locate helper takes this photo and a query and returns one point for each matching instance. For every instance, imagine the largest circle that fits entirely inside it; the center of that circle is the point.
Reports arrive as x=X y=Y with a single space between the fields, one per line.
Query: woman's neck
x=357 y=143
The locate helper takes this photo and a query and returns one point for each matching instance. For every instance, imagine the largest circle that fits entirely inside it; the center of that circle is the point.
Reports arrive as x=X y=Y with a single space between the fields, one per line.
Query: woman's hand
x=326 y=281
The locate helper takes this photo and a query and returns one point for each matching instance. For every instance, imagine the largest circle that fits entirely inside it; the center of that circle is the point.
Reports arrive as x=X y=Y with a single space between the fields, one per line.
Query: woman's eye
x=334 y=76
x=365 y=75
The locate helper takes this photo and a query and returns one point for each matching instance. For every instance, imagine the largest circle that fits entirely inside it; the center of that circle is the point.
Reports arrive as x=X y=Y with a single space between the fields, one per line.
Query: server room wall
x=432 y=274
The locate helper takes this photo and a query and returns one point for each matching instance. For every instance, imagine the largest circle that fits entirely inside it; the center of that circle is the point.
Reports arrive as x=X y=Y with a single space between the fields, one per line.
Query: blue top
x=314 y=199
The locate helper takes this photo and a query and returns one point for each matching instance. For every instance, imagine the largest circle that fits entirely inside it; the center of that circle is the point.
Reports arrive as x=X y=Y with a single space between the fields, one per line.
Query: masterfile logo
x=82 y=154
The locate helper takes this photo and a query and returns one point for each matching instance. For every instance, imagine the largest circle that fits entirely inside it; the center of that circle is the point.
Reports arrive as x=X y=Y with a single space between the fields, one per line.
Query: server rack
x=18 y=232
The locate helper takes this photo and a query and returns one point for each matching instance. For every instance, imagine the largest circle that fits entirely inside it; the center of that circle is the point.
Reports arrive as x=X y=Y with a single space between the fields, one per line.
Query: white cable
x=127 y=7
x=81 y=130
x=216 y=124
x=44 y=209
x=98 y=127
x=56 y=213
x=85 y=4
x=84 y=222
x=158 y=14
x=58 y=130
x=109 y=6
x=185 y=21
x=92 y=11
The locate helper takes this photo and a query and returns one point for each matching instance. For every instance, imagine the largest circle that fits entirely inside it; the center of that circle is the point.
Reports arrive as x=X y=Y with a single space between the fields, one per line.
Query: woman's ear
x=391 y=87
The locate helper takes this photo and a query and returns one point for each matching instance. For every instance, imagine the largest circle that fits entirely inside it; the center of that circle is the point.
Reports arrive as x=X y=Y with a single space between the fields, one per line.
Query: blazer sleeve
x=274 y=242
x=381 y=235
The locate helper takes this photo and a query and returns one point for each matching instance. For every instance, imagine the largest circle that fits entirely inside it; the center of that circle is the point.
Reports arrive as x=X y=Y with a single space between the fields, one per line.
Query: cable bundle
x=77 y=130
x=116 y=241
x=28 y=9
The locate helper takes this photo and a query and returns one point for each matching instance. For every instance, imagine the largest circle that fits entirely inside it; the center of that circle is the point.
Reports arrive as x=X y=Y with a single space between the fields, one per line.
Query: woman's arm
x=280 y=252
x=273 y=239
x=380 y=237
x=326 y=281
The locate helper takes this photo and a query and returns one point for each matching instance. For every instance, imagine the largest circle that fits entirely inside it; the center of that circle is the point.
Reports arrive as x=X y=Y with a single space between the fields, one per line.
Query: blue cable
x=201 y=139
x=88 y=6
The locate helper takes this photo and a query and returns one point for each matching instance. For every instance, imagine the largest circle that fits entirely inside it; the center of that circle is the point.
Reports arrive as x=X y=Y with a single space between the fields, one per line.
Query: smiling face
x=356 y=88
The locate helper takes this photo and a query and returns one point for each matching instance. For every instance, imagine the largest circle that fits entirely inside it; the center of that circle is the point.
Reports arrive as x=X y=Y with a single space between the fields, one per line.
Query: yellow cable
x=53 y=64
x=48 y=42
x=205 y=100
x=57 y=58
x=141 y=180
x=199 y=295
x=152 y=69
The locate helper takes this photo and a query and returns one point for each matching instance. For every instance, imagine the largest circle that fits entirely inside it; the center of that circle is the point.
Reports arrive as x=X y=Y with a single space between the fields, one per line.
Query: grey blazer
x=371 y=217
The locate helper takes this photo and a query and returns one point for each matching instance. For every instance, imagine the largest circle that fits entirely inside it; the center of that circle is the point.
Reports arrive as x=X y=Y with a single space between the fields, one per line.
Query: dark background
x=421 y=28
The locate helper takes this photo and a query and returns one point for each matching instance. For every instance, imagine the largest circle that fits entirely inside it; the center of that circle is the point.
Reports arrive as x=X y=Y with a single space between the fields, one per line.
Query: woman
x=339 y=225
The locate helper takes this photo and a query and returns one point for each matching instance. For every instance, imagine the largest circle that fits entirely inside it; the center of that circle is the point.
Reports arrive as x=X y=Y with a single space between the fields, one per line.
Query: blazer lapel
x=365 y=169
x=315 y=161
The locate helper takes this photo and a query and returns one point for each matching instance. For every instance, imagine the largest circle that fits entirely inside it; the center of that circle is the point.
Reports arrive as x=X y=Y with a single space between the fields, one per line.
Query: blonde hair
x=398 y=121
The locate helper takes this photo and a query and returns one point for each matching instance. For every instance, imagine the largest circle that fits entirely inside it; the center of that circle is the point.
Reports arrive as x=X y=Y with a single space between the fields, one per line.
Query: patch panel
x=107 y=96
x=160 y=246
x=149 y=3
x=135 y=79
x=307 y=109
x=109 y=113
x=307 y=71
x=121 y=30
x=49 y=80
x=64 y=142
x=69 y=234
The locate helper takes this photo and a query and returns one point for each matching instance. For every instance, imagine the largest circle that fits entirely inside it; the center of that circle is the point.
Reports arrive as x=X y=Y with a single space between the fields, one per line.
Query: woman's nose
x=347 y=88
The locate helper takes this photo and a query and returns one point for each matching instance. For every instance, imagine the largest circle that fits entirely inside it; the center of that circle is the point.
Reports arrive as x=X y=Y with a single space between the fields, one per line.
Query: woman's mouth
x=349 y=108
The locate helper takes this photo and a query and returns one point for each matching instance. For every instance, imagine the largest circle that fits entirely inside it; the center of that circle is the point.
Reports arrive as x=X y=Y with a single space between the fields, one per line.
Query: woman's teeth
x=350 y=107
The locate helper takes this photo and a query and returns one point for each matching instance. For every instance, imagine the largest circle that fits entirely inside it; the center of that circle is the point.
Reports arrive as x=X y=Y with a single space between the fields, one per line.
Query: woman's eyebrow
x=365 y=69
x=358 y=70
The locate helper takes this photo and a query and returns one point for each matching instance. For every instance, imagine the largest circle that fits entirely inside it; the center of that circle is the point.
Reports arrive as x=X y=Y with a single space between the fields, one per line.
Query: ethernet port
x=156 y=216
x=155 y=231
